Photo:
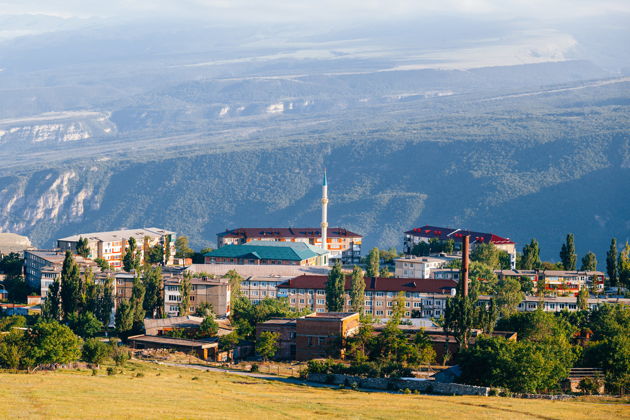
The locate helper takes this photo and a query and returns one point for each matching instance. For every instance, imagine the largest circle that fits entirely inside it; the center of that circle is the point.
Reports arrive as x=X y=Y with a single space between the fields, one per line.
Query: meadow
x=148 y=390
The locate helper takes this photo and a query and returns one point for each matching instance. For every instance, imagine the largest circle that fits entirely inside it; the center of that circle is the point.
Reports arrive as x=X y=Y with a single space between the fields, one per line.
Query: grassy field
x=169 y=392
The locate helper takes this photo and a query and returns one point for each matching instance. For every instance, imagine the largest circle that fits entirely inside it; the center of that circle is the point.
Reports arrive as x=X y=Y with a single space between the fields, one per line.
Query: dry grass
x=167 y=392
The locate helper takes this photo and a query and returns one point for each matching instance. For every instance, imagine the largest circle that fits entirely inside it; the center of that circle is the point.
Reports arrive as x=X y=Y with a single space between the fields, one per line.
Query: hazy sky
x=309 y=10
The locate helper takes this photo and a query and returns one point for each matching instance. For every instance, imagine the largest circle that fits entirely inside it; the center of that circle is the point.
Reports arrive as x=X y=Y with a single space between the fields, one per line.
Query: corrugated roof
x=457 y=235
x=297 y=232
x=120 y=235
x=262 y=250
x=381 y=284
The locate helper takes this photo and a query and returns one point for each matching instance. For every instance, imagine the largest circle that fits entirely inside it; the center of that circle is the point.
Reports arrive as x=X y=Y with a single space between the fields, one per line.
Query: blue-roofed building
x=269 y=253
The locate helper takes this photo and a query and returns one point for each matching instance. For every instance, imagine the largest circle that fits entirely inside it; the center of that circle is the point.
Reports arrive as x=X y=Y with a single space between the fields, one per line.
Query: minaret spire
x=324 y=223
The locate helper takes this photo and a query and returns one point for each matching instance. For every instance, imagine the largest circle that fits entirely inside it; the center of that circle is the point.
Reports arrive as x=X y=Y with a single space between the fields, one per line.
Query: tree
x=582 y=299
x=448 y=246
x=131 y=259
x=527 y=285
x=83 y=247
x=52 y=304
x=124 y=318
x=459 y=315
x=567 y=253
x=17 y=287
x=95 y=351
x=208 y=327
x=182 y=247
x=184 y=292
x=373 y=263
x=204 y=309
x=70 y=287
x=335 y=289
x=624 y=266
x=508 y=296
x=589 y=262
x=155 y=254
x=106 y=302
x=229 y=341
x=12 y=264
x=531 y=256
x=421 y=249
x=137 y=300
x=267 y=344
x=357 y=290
x=611 y=263
x=102 y=264
x=245 y=314
x=153 y=302
x=52 y=342
x=487 y=254
x=235 y=280
x=484 y=276
x=85 y=324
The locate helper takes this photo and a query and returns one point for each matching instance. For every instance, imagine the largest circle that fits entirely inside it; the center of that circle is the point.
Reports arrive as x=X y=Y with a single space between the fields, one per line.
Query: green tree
x=486 y=253
x=357 y=290
x=124 y=318
x=589 y=262
x=612 y=267
x=155 y=254
x=70 y=287
x=335 y=289
x=624 y=266
x=235 y=281
x=182 y=247
x=613 y=356
x=229 y=341
x=267 y=344
x=567 y=253
x=85 y=324
x=459 y=315
x=373 y=263
x=13 y=321
x=484 y=276
x=13 y=350
x=508 y=295
x=421 y=249
x=527 y=285
x=184 y=292
x=52 y=342
x=131 y=259
x=83 y=247
x=531 y=256
x=448 y=246
x=153 y=302
x=102 y=264
x=12 y=264
x=204 y=309
x=95 y=351
x=52 y=304
x=17 y=287
x=582 y=299
x=106 y=302
x=208 y=327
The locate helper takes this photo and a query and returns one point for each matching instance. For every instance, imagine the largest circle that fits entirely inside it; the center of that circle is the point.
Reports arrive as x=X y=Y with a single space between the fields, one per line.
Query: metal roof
x=265 y=250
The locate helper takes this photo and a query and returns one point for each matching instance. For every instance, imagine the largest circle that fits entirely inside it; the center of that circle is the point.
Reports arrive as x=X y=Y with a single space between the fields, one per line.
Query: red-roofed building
x=341 y=243
x=441 y=234
x=424 y=298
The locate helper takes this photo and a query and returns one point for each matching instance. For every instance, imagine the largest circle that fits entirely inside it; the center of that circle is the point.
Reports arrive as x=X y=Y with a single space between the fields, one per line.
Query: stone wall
x=396 y=384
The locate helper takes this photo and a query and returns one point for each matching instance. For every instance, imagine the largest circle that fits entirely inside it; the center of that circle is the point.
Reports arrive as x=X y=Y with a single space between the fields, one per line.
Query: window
x=321 y=301
x=390 y=303
x=407 y=313
x=379 y=303
x=379 y=312
x=321 y=340
x=254 y=292
x=368 y=293
x=417 y=305
x=321 y=292
x=380 y=294
x=368 y=311
x=293 y=300
x=389 y=313
x=301 y=300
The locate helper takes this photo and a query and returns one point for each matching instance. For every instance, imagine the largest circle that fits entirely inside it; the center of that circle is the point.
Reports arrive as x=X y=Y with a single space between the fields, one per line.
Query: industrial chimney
x=464 y=275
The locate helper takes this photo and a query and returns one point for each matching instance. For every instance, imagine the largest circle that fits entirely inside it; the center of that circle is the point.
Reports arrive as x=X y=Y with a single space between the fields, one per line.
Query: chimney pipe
x=465 y=262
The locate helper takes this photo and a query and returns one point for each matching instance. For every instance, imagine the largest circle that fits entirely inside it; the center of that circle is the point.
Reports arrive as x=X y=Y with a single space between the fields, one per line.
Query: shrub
x=94 y=372
x=406 y=391
x=139 y=375
x=195 y=378
x=95 y=351
x=254 y=368
x=120 y=354
x=590 y=386
x=111 y=371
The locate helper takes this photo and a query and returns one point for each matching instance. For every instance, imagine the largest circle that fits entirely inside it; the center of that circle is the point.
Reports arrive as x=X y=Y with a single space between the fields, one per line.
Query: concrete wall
x=395 y=384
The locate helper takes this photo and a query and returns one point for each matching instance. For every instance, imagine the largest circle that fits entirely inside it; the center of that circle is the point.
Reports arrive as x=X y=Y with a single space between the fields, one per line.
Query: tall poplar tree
x=624 y=266
x=153 y=303
x=567 y=253
x=184 y=292
x=83 y=248
x=589 y=262
x=373 y=263
x=357 y=290
x=70 y=286
x=52 y=304
x=612 y=267
x=531 y=256
x=335 y=289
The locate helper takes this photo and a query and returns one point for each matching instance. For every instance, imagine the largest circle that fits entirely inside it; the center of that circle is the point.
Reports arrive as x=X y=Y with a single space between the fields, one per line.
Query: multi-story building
x=111 y=246
x=424 y=298
x=441 y=234
x=269 y=253
x=256 y=288
x=43 y=267
x=216 y=292
x=559 y=281
x=446 y=274
x=313 y=336
x=558 y=304
x=342 y=244
x=418 y=267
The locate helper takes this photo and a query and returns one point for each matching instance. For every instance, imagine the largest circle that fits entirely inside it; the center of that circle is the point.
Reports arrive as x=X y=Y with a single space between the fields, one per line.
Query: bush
x=590 y=386
x=139 y=375
x=95 y=351
x=120 y=355
x=111 y=371
x=254 y=368
x=94 y=372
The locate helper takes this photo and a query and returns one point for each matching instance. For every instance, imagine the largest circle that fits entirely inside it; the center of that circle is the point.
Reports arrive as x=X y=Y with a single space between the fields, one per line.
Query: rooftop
x=376 y=284
x=426 y=259
x=265 y=250
x=172 y=341
x=457 y=235
x=56 y=257
x=254 y=270
x=298 y=232
x=119 y=235
x=548 y=272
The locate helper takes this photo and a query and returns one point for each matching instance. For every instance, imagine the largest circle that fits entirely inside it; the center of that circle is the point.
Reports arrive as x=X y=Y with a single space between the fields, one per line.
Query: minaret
x=324 y=224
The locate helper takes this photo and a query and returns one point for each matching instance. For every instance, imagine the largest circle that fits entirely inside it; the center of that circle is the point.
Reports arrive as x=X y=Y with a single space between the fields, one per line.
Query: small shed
x=203 y=349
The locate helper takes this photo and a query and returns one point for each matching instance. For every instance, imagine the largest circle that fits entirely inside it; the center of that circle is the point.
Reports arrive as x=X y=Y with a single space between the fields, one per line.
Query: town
x=452 y=298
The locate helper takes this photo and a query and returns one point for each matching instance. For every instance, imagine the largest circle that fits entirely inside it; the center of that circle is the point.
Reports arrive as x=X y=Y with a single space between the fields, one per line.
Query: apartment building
x=557 y=303
x=562 y=282
x=419 y=267
x=442 y=234
x=257 y=288
x=43 y=266
x=269 y=253
x=341 y=243
x=111 y=246
x=424 y=298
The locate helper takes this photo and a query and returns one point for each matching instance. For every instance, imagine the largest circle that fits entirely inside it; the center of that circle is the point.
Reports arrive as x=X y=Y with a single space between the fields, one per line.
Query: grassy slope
x=173 y=394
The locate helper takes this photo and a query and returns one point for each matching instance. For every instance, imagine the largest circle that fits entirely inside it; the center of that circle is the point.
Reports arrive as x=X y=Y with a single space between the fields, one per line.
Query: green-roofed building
x=269 y=253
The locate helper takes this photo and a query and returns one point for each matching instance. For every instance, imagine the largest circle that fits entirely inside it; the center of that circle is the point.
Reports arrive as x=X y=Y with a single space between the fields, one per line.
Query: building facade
x=43 y=266
x=111 y=246
x=441 y=234
x=418 y=267
x=424 y=298
x=560 y=282
x=342 y=244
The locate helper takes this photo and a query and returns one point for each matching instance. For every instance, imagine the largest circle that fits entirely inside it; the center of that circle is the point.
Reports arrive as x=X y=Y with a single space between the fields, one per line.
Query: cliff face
x=377 y=188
